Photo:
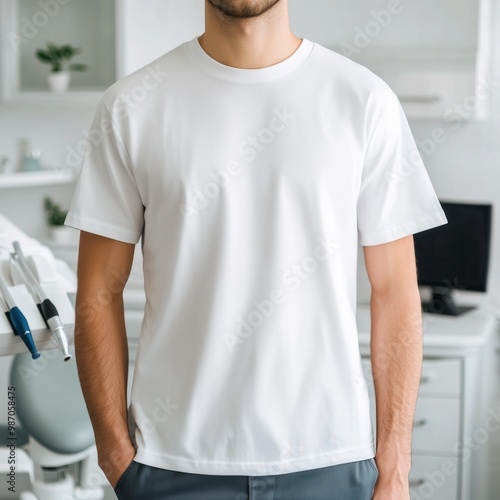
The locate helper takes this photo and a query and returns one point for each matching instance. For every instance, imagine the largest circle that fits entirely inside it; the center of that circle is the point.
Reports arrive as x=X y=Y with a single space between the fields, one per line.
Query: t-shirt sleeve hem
x=126 y=235
x=394 y=233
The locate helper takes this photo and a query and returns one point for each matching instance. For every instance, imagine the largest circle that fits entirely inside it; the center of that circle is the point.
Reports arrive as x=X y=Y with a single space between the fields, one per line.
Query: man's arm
x=101 y=347
x=396 y=357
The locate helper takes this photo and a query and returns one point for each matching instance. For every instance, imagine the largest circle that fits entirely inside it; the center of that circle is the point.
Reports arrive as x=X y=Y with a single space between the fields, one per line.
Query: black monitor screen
x=456 y=254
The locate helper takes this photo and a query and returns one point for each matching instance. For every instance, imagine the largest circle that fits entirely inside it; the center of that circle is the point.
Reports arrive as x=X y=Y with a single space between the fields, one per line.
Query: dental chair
x=51 y=409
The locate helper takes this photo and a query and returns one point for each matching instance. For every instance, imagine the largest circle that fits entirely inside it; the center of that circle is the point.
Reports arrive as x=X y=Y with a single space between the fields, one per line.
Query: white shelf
x=71 y=96
x=35 y=179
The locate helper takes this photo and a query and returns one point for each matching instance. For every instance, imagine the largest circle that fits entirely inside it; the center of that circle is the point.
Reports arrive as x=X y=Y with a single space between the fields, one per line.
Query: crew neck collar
x=239 y=75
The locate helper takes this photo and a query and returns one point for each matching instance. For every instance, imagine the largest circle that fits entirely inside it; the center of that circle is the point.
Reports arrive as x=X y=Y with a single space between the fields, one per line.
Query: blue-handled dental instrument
x=45 y=306
x=17 y=319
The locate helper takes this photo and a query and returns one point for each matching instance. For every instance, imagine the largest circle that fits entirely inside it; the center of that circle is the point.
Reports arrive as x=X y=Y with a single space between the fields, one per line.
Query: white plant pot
x=59 y=81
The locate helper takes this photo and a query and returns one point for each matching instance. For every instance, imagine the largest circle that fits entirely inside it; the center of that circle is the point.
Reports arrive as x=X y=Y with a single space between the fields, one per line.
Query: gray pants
x=352 y=481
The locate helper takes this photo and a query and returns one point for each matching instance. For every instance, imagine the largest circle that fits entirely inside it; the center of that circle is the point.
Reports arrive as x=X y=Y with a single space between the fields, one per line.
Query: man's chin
x=244 y=9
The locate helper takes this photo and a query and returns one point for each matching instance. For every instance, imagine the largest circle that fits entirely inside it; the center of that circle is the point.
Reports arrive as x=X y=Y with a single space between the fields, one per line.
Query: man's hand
x=114 y=463
x=391 y=490
x=393 y=479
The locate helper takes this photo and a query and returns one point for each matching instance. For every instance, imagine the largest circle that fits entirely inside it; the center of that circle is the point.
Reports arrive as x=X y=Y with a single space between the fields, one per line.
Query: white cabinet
x=449 y=450
x=435 y=55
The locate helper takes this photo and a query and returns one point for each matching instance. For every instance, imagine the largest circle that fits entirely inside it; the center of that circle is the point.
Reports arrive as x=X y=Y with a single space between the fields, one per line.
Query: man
x=252 y=165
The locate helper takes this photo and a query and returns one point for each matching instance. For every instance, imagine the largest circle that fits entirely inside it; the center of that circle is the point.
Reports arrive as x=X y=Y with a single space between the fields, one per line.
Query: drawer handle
x=421 y=99
x=420 y=423
x=415 y=483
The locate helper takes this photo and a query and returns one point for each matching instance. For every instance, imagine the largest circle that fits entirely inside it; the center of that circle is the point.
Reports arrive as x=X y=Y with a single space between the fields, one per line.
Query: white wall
x=155 y=26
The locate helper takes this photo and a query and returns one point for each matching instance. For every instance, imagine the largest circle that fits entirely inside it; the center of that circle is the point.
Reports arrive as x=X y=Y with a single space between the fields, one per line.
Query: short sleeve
x=396 y=197
x=106 y=200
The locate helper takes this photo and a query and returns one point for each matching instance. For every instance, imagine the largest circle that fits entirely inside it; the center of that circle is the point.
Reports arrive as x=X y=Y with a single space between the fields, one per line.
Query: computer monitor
x=455 y=255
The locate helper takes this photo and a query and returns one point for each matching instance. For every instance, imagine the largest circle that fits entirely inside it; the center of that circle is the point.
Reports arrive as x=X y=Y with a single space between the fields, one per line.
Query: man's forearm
x=396 y=353
x=102 y=359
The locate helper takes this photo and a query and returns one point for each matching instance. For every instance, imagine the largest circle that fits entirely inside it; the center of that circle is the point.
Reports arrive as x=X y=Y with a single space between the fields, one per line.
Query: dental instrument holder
x=17 y=319
x=46 y=308
x=10 y=343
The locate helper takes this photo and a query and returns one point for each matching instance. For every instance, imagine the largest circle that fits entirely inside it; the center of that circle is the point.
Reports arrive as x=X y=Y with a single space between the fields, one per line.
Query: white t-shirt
x=251 y=190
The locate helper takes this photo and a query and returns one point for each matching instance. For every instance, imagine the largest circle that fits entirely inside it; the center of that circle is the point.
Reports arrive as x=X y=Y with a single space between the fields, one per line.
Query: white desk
x=453 y=420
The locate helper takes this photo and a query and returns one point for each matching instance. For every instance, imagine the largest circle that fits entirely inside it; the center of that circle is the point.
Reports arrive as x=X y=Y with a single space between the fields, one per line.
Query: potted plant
x=59 y=233
x=58 y=56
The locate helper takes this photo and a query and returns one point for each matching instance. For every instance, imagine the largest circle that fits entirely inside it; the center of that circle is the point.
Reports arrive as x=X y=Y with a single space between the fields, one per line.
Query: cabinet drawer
x=436 y=425
x=439 y=377
x=434 y=477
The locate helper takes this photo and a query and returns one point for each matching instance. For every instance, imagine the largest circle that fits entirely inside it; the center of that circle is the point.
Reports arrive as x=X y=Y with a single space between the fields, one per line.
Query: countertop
x=471 y=330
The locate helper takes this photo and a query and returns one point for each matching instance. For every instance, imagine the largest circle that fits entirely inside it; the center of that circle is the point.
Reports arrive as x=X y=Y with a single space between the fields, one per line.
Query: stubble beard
x=243 y=9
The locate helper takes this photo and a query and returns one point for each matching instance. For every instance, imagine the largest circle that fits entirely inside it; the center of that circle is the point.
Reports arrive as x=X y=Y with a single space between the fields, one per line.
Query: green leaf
x=52 y=50
x=67 y=52
x=44 y=56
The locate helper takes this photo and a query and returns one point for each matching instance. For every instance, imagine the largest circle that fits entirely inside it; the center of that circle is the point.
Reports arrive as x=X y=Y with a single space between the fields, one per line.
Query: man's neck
x=249 y=43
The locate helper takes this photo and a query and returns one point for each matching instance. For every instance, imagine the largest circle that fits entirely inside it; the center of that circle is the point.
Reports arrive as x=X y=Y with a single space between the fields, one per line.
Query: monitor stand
x=443 y=302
